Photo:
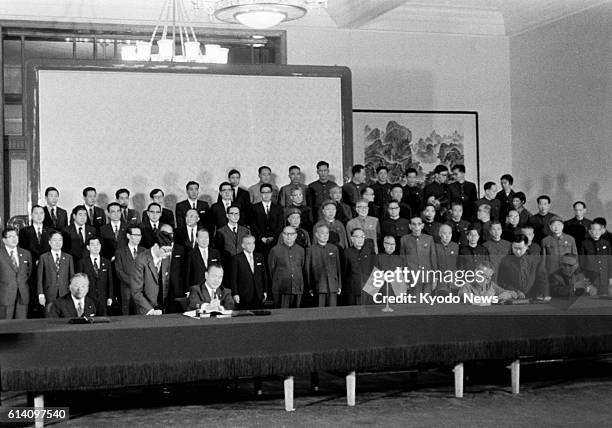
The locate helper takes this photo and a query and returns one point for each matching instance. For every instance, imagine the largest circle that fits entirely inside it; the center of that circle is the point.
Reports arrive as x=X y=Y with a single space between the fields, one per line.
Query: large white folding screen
x=143 y=130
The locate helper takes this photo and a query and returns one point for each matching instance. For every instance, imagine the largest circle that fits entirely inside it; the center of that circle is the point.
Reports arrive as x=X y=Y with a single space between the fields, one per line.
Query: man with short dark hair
x=505 y=195
x=240 y=196
x=319 y=189
x=150 y=279
x=192 y=203
x=125 y=263
x=113 y=233
x=458 y=224
x=412 y=191
x=210 y=295
x=200 y=258
x=152 y=225
x=396 y=193
x=229 y=238
x=420 y=253
x=472 y=253
x=523 y=273
x=395 y=225
x=286 y=267
x=15 y=269
x=248 y=276
x=295 y=181
x=218 y=210
x=350 y=190
x=95 y=215
x=128 y=215
x=322 y=267
x=382 y=187
x=77 y=234
x=167 y=216
x=596 y=257
x=541 y=220
x=54 y=270
x=265 y=177
x=463 y=191
x=518 y=203
x=556 y=245
x=55 y=217
x=490 y=190
x=98 y=271
x=578 y=226
x=75 y=304
x=267 y=221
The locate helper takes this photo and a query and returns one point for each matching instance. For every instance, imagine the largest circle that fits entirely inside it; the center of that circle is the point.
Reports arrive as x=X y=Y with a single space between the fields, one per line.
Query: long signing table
x=49 y=354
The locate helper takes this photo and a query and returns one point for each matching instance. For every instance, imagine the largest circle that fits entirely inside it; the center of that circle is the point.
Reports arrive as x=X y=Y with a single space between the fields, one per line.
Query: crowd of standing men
x=299 y=245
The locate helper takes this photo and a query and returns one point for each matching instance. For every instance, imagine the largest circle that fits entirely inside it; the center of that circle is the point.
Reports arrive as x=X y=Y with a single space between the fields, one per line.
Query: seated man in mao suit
x=75 y=304
x=210 y=291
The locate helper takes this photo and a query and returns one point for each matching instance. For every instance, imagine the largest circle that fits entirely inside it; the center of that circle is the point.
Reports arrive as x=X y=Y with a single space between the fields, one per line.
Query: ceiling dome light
x=259 y=14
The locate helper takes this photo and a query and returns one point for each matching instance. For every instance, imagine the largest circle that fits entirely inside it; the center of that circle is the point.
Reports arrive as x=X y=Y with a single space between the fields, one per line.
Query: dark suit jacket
x=147 y=234
x=196 y=267
x=51 y=283
x=322 y=266
x=110 y=244
x=99 y=217
x=12 y=279
x=218 y=217
x=100 y=285
x=73 y=242
x=184 y=206
x=29 y=241
x=167 y=217
x=266 y=226
x=198 y=294
x=243 y=198
x=230 y=243
x=132 y=217
x=182 y=237
x=249 y=285
x=536 y=281
x=144 y=282
x=125 y=264
x=64 y=308
x=62 y=218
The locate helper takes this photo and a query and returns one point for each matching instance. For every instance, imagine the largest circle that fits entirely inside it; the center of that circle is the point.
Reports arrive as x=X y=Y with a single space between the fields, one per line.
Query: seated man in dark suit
x=128 y=215
x=192 y=203
x=210 y=294
x=248 y=277
x=199 y=259
x=98 y=271
x=77 y=234
x=95 y=215
x=55 y=217
x=167 y=216
x=75 y=304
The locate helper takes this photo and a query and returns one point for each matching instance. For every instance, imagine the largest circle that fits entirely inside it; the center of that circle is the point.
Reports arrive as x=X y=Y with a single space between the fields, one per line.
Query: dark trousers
x=18 y=310
x=328 y=299
x=287 y=300
x=126 y=300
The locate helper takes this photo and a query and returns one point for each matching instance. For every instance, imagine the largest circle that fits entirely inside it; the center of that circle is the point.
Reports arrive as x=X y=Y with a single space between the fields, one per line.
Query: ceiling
x=474 y=17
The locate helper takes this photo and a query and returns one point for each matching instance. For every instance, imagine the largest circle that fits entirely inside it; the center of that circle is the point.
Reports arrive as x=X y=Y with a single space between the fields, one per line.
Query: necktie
x=81 y=233
x=79 y=309
x=116 y=232
x=53 y=217
x=57 y=262
x=194 y=206
x=134 y=252
x=96 y=266
x=154 y=228
x=250 y=258
x=38 y=234
x=234 y=194
x=124 y=214
x=267 y=210
x=14 y=260
x=91 y=215
x=234 y=229
x=191 y=237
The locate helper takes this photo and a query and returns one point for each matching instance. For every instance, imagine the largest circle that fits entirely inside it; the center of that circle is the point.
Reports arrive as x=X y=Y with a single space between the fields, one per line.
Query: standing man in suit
x=322 y=266
x=351 y=191
x=210 y=293
x=295 y=177
x=249 y=280
x=55 y=268
x=113 y=233
x=219 y=209
x=266 y=221
x=186 y=235
x=150 y=279
x=15 y=269
x=229 y=237
x=420 y=253
x=75 y=304
x=240 y=196
x=463 y=191
x=95 y=215
x=35 y=239
x=55 y=217
x=98 y=271
x=192 y=203
x=167 y=216
x=77 y=234
x=128 y=215
x=150 y=227
x=319 y=189
x=125 y=263
x=200 y=258
x=286 y=267
x=265 y=177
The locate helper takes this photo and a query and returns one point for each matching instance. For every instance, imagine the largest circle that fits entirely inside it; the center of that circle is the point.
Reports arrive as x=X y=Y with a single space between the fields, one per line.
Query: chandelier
x=175 y=28
x=259 y=14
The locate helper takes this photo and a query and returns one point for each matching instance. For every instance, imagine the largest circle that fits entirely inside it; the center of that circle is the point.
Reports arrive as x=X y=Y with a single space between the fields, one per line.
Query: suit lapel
x=152 y=268
x=5 y=254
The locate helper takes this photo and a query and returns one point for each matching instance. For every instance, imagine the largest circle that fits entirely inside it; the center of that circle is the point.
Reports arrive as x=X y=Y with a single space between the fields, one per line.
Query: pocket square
x=258 y=263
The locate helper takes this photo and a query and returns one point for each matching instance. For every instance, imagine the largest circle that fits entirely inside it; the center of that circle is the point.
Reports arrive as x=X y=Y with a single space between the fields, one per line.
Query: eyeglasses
x=155 y=212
